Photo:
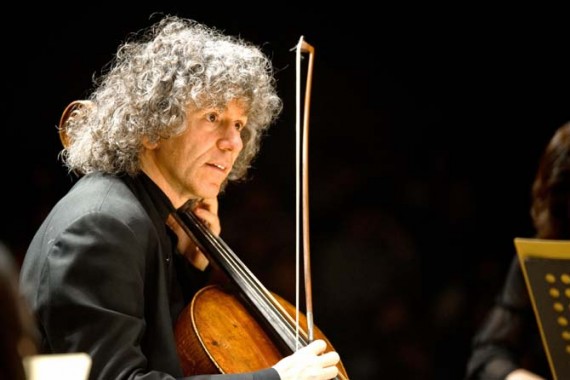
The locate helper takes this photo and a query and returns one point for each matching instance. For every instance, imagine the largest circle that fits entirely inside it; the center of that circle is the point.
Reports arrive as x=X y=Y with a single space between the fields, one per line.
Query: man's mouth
x=218 y=166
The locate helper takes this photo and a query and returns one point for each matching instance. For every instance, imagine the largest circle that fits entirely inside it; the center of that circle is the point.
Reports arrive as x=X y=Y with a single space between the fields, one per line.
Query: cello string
x=251 y=286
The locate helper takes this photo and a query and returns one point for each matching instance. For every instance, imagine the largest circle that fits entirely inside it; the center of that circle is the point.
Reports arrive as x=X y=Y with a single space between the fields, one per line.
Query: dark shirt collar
x=143 y=184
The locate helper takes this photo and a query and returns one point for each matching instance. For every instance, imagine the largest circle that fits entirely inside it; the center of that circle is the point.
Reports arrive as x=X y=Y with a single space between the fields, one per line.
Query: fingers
x=329 y=359
x=310 y=362
x=316 y=347
x=319 y=363
x=325 y=361
x=329 y=373
x=210 y=204
x=186 y=246
x=207 y=211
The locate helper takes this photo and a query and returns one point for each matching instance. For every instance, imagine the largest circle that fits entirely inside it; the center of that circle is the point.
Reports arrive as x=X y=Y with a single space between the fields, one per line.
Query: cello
x=238 y=328
x=241 y=326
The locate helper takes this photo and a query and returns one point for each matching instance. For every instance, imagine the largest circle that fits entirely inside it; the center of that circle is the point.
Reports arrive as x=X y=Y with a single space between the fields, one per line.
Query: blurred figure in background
x=17 y=335
x=507 y=345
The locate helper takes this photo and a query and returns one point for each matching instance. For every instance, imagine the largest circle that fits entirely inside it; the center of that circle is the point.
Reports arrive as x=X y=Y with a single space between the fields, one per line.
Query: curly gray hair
x=147 y=88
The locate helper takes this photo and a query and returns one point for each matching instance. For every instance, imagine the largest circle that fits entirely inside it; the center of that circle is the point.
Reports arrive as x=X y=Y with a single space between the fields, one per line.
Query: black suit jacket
x=102 y=276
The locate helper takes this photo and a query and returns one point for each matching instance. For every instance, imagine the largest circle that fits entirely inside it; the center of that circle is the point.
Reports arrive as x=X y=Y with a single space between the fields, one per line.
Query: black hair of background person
x=425 y=124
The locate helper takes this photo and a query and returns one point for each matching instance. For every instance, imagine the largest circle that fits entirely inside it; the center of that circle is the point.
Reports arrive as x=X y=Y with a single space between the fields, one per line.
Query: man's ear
x=149 y=144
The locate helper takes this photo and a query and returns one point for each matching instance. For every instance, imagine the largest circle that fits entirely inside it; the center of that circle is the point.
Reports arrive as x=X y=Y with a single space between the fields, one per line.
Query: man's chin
x=210 y=191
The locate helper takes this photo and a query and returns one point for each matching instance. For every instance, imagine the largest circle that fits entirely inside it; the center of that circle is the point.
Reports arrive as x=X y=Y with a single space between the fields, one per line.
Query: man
x=179 y=113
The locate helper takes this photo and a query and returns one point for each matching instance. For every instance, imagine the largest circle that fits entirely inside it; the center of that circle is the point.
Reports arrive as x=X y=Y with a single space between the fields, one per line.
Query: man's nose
x=230 y=139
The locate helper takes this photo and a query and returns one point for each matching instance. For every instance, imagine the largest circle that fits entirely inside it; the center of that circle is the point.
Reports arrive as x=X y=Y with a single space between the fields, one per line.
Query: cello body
x=216 y=333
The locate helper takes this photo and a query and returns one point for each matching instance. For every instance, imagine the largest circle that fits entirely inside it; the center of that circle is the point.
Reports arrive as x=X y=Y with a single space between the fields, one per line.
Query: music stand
x=546 y=268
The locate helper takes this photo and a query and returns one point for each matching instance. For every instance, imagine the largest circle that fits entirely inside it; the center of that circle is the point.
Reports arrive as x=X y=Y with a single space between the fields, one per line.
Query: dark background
x=426 y=126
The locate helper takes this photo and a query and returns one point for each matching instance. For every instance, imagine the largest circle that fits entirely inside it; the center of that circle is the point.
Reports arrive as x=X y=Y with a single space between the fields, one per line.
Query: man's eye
x=212 y=117
x=239 y=126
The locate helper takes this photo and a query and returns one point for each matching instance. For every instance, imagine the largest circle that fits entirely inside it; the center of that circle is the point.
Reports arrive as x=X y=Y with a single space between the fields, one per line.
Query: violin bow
x=303 y=47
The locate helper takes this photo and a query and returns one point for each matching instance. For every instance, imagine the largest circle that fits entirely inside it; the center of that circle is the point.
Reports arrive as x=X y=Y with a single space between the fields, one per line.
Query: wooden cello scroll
x=70 y=113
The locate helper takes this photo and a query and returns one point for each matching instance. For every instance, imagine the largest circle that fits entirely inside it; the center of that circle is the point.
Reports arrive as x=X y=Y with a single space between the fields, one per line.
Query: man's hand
x=309 y=363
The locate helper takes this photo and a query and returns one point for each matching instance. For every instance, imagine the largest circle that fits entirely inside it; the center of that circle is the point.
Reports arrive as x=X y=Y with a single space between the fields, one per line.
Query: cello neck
x=276 y=320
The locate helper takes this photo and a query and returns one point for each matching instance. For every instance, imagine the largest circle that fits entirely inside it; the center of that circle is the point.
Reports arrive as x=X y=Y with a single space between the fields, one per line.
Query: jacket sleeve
x=90 y=300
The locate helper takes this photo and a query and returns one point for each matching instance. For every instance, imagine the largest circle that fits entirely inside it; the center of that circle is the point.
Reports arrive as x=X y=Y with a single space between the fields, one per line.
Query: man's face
x=197 y=162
